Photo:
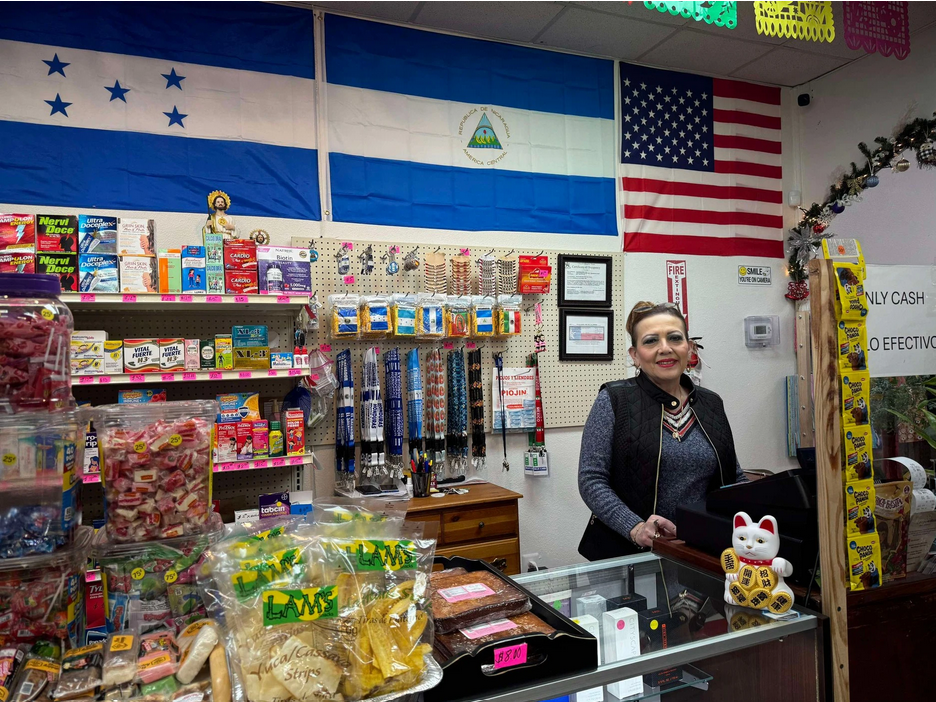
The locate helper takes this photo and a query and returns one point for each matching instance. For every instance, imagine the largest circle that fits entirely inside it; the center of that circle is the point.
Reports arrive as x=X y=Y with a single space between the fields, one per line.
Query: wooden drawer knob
x=480 y=525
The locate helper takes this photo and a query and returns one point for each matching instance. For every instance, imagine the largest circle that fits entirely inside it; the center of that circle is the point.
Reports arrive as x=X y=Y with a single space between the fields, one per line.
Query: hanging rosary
x=476 y=401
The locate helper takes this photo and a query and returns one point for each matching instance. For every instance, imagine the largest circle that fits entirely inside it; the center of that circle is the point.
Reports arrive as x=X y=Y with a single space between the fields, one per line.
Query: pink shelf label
x=233 y=466
x=282 y=299
x=294 y=371
x=215 y=375
x=213 y=298
x=85 y=380
x=129 y=298
x=186 y=298
x=88 y=297
x=325 y=348
x=190 y=376
x=509 y=656
x=471 y=345
x=168 y=298
x=448 y=346
x=138 y=378
x=296 y=460
x=349 y=244
x=241 y=298
x=104 y=379
x=277 y=462
x=348 y=280
x=245 y=374
x=260 y=463
x=272 y=373
x=168 y=377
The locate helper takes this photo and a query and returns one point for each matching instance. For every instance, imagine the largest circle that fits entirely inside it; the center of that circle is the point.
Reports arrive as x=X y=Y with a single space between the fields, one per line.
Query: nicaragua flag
x=150 y=106
x=437 y=131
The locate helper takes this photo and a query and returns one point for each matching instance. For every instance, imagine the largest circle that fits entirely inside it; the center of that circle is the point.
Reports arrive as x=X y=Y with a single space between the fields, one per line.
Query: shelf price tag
x=296 y=460
x=215 y=375
x=168 y=298
x=471 y=345
x=85 y=380
x=241 y=298
x=448 y=345
x=168 y=377
x=245 y=374
x=213 y=298
x=190 y=376
x=260 y=463
x=294 y=371
x=348 y=280
x=129 y=298
x=509 y=656
x=104 y=379
x=88 y=297
x=137 y=378
x=186 y=298
x=282 y=299
x=272 y=373
x=277 y=462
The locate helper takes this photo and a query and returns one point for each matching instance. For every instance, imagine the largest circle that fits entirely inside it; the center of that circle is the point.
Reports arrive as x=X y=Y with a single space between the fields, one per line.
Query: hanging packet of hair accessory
x=375 y=316
x=864 y=561
x=851 y=301
x=507 y=315
x=482 y=316
x=856 y=457
x=518 y=386
x=853 y=345
x=323 y=367
x=856 y=392
x=345 y=317
x=458 y=316
x=859 y=507
x=430 y=316
x=403 y=315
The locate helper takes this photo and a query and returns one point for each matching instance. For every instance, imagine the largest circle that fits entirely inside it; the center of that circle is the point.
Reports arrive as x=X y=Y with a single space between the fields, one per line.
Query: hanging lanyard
x=394 y=412
x=414 y=401
x=476 y=402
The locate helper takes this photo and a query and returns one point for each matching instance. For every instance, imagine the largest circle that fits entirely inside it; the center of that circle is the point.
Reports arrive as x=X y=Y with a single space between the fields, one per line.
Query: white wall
x=864 y=100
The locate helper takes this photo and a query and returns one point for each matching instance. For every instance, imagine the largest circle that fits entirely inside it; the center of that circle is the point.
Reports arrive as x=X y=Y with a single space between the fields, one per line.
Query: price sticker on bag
x=170 y=577
x=121 y=643
x=509 y=656
x=175 y=440
x=139 y=446
x=137 y=573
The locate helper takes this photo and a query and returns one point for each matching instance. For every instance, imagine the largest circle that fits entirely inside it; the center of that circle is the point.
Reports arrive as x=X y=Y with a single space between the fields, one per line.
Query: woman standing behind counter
x=651 y=442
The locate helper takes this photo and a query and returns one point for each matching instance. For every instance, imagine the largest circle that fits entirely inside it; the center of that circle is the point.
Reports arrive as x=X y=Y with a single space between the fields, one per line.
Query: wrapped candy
x=152 y=584
x=156 y=468
x=35 y=340
x=41 y=597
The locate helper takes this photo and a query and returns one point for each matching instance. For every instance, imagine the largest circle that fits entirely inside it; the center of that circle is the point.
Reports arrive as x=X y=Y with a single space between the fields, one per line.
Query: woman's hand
x=656 y=527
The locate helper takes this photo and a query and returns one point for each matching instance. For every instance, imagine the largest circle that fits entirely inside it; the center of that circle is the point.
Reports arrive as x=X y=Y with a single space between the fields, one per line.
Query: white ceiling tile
x=596 y=33
x=634 y=10
x=722 y=55
x=516 y=21
x=785 y=66
x=394 y=11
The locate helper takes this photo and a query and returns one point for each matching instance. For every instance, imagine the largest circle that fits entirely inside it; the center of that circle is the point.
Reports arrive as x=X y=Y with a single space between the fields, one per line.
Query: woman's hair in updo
x=644 y=309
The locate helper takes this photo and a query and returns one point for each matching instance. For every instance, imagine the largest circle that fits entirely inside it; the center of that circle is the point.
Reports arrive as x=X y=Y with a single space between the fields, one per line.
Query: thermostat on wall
x=760 y=332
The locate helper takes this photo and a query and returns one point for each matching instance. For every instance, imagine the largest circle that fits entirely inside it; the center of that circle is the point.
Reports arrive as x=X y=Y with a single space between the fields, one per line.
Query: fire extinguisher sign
x=676 y=287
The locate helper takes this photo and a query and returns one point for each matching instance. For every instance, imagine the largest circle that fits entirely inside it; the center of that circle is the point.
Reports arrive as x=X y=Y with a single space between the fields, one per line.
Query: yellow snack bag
x=859 y=507
x=853 y=343
x=856 y=391
x=864 y=561
x=851 y=302
x=856 y=458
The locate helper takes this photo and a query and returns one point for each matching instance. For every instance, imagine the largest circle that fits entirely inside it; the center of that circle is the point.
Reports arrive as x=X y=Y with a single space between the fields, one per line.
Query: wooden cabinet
x=482 y=524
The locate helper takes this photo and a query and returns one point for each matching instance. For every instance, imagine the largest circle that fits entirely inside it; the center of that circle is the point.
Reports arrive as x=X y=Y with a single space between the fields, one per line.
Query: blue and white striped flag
x=437 y=131
x=150 y=106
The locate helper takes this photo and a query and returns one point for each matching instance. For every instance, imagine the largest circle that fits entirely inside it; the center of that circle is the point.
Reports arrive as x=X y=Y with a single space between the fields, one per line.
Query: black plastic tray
x=568 y=651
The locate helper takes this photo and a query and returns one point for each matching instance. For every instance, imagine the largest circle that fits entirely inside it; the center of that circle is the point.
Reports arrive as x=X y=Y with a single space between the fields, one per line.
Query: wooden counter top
x=478 y=494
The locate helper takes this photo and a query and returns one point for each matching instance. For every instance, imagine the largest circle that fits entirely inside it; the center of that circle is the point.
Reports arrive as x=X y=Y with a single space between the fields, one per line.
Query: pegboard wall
x=568 y=388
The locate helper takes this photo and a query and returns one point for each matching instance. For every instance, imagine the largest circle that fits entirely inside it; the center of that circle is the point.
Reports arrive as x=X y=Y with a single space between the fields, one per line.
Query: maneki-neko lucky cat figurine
x=753 y=572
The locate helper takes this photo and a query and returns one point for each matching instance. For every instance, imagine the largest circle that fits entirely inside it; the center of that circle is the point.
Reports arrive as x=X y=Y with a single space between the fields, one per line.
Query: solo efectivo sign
x=753 y=275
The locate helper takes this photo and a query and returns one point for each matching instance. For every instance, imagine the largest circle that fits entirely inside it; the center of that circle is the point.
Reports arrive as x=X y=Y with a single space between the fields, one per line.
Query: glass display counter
x=692 y=646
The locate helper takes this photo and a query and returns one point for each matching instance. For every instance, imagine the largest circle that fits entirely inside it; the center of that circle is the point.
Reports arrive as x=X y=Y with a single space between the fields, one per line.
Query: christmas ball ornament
x=927 y=153
x=838 y=207
x=902 y=165
x=797 y=290
x=872 y=181
x=819 y=228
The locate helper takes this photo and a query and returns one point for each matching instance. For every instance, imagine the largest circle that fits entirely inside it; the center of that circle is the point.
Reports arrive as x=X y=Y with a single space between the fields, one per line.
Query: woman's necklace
x=680 y=421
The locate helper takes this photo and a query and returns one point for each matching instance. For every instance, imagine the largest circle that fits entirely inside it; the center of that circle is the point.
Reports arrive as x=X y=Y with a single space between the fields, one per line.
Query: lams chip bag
x=325 y=612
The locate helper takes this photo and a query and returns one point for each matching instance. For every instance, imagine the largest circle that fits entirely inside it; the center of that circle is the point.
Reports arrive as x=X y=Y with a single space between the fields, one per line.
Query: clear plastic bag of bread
x=317 y=612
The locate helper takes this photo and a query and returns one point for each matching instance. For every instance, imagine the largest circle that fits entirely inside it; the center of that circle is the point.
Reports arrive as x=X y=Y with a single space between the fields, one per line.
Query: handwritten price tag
x=129 y=298
x=348 y=244
x=277 y=462
x=348 y=280
x=471 y=345
x=260 y=463
x=282 y=300
x=186 y=298
x=168 y=377
x=88 y=297
x=213 y=298
x=245 y=374
x=272 y=373
x=296 y=460
x=294 y=371
x=190 y=376
x=137 y=378
x=241 y=298
x=104 y=379
x=509 y=656
x=168 y=298
x=325 y=348
x=315 y=376
x=85 y=380
x=215 y=375
x=448 y=346
x=465 y=252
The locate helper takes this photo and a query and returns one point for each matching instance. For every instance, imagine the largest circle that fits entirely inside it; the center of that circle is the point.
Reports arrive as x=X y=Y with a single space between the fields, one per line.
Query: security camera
x=802 y=99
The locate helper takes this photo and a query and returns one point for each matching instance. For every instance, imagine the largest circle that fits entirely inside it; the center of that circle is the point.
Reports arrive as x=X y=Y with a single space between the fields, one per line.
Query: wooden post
x=830 y=485
x=807 y=436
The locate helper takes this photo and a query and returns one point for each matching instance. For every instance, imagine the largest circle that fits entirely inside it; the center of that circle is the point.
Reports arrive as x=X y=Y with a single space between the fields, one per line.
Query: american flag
x=700 y=165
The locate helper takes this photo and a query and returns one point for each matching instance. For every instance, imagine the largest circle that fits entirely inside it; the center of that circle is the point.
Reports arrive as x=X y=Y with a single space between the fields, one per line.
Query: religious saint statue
x=219 y=221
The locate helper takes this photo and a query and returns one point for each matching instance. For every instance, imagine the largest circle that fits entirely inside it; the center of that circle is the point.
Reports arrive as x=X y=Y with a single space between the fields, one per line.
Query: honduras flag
x=150 y=106
x=437 y=131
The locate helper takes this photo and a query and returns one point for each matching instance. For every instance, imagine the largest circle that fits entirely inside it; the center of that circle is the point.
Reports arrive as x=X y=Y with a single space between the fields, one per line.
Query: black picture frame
x=607 y=317
x=564 y=300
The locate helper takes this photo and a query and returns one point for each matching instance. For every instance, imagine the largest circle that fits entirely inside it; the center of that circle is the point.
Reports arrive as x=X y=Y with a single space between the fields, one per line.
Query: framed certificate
x=584 y=281
x=586 y=334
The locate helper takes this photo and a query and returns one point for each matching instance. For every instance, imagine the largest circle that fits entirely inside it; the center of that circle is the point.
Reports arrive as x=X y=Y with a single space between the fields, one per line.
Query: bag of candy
x=39 y=674
x=338 y=510
x=156 y=468
x=81 y=672
x=326 y=612
x=120 y=658
x=152 y=583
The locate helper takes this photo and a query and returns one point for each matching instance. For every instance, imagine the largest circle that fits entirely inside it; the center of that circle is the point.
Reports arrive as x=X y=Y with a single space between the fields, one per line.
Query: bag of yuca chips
x=324 y=612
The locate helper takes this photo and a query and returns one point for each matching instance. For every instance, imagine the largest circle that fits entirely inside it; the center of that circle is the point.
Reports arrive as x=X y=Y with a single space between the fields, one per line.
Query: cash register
x=789 y=496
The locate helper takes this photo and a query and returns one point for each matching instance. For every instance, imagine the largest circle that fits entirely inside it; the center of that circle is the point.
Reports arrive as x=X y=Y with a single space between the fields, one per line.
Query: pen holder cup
x=421 y=484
